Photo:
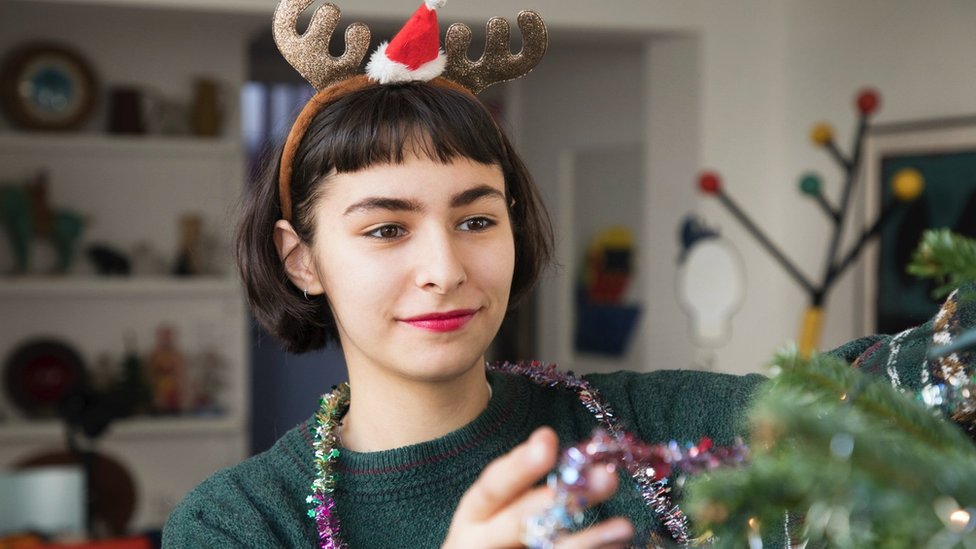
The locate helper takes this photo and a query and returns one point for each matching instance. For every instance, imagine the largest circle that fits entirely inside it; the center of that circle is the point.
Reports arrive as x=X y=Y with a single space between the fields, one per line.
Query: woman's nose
x=439 y=267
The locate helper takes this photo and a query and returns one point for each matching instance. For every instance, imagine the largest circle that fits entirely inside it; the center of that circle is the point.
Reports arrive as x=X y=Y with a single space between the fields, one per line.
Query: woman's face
x=416 y=260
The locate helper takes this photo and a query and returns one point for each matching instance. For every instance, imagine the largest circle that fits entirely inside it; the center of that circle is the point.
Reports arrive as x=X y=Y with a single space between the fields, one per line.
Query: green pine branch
x=865 y=465
x=946 y=257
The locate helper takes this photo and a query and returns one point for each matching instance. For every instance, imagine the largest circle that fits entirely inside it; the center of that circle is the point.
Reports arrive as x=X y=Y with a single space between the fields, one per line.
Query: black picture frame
x=944 y=152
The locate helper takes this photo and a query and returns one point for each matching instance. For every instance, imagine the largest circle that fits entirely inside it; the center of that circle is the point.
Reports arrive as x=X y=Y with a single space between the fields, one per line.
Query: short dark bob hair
x=374 y=126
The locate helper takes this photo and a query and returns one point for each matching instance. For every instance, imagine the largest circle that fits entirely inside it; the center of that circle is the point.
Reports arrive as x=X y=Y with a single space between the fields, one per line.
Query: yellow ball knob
x=907 y=184
x=822 y=133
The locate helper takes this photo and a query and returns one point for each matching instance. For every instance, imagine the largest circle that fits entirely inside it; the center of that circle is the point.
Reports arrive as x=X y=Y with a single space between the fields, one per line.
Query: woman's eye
x=476 y=224
x=387 y=232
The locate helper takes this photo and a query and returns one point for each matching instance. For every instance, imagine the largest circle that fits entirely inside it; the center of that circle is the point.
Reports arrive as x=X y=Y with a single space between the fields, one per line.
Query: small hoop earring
x=305 y=293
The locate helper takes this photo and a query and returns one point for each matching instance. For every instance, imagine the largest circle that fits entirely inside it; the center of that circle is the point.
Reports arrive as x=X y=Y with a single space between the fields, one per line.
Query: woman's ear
x=297 y=258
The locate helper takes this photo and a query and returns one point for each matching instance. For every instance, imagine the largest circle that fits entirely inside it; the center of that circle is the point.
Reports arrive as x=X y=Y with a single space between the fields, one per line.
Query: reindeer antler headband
x=413 y=55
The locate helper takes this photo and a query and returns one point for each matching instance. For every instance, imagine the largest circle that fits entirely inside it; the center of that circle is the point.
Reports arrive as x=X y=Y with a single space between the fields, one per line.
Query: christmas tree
x=843 y=457
x=854 y=461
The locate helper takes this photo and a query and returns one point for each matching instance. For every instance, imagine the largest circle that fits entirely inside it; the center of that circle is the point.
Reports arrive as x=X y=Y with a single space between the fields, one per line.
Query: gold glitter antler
x=309 y=52
x=498 y=63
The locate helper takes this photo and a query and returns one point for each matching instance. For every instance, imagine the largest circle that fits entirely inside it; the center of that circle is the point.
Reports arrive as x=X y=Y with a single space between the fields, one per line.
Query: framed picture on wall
x=944 y=153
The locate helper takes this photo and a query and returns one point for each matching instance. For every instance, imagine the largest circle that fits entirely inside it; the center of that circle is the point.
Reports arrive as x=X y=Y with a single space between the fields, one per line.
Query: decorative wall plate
x=46 y=86
x=39 y=373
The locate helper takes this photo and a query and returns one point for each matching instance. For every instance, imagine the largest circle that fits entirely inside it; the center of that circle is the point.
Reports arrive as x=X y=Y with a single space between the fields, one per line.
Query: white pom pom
x=387 y=71
x=435 y=4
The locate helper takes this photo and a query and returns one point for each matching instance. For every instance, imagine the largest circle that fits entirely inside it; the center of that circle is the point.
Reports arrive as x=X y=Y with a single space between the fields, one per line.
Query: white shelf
x=21 y=430
x=98 y=287
x=92 y=143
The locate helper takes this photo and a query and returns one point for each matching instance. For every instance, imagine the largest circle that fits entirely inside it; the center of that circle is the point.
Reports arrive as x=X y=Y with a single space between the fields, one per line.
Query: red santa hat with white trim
x=414 y=53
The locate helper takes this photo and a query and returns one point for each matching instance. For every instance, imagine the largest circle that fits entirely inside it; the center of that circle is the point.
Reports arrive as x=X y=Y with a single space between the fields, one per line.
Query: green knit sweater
x=407 y=496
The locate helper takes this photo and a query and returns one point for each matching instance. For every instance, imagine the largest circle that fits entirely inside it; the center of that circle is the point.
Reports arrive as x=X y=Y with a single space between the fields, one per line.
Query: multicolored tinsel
x=655 y=461
x=655 y=492
x=333 y=406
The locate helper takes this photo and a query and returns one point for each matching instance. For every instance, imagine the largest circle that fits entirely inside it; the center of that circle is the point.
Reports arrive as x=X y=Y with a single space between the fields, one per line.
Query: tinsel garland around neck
x=334 y=406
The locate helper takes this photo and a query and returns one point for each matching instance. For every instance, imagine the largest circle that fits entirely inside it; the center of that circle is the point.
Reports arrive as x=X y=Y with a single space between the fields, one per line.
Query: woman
x=415 y=229
x=400 y=224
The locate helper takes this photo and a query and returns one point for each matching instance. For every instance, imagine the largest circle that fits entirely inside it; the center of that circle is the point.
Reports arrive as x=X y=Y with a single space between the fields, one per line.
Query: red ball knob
x=867 y=101
x=709 y=182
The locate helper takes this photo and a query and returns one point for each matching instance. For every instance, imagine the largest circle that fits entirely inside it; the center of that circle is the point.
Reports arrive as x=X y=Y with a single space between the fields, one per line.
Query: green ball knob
x=810 y=184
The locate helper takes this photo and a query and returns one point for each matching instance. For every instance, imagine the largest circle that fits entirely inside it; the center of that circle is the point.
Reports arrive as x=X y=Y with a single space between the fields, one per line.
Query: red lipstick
x=442 y=322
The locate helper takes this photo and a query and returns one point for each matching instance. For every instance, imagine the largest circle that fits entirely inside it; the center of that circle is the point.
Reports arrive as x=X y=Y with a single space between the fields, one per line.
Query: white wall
x=672 y=120
x=572 y=103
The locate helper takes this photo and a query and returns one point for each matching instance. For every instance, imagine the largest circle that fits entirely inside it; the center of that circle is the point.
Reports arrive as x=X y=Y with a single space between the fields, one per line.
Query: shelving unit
x=45 y=430
x=115 y=287
x=165 y=146
x=132 y=190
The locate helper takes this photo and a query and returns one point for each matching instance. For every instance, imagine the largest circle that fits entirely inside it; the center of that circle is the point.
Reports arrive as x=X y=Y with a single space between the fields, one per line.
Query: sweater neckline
x=502 y=425
x=455 y=459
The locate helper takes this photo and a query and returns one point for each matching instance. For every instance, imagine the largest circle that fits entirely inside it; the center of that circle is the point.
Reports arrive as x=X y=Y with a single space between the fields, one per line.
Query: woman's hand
x=494 y=510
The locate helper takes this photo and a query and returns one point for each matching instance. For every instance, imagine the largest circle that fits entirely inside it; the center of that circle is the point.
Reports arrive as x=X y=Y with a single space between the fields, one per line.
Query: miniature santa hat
x=414 y=53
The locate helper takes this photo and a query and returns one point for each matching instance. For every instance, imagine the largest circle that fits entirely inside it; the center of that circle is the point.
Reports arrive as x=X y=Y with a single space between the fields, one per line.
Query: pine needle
x=866 y=465
x=946 y=257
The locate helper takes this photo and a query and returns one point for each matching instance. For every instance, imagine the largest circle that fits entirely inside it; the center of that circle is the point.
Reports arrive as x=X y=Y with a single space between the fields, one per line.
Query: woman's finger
x=509 y=524
x=615 y=532
x=601 y=483
x=610 y=533
x=509 y=477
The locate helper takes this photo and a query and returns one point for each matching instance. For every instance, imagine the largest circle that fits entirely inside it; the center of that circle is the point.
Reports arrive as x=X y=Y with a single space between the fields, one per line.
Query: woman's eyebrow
x=471 y=195
x=384 y=203
x=460 y=199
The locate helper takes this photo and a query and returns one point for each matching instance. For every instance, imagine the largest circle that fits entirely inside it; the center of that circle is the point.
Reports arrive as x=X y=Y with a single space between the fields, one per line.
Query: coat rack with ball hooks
x=906 y=186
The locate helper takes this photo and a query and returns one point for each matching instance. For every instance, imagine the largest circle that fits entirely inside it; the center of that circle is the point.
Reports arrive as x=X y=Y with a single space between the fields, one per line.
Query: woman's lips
x=442 y=322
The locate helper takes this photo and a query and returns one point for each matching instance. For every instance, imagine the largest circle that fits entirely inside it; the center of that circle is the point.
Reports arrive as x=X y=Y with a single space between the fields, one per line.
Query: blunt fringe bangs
x=375 y=126
x=383 y=124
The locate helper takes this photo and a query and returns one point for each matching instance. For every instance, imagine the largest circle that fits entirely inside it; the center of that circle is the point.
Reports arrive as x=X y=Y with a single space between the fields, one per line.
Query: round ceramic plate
x=39 y=373
x=47 y=87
